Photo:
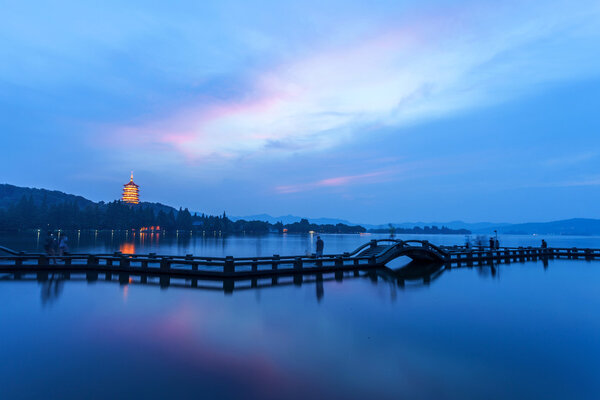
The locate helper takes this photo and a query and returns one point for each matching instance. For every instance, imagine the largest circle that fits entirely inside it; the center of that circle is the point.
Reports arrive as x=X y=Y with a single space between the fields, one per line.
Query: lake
x=522 y=330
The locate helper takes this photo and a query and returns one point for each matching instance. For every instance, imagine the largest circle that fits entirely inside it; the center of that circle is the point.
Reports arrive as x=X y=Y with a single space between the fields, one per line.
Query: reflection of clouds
x=284 y=342
x=207 y=343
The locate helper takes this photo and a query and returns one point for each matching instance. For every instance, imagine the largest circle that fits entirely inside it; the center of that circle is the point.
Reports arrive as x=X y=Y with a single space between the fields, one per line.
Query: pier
x=372 y=255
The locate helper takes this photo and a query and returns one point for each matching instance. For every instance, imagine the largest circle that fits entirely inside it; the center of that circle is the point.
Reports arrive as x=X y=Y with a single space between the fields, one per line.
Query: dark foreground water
x=518 y=331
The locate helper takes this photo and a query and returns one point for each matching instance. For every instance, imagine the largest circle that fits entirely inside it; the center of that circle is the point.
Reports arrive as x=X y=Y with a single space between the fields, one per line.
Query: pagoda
x=131 y=192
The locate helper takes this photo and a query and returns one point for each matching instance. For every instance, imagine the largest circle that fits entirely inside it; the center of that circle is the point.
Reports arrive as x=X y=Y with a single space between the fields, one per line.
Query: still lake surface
x=522 y=330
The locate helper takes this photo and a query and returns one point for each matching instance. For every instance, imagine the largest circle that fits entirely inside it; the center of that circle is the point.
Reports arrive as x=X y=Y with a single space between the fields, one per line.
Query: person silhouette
x=320 y=246
x=63 y=246
x=50 y=246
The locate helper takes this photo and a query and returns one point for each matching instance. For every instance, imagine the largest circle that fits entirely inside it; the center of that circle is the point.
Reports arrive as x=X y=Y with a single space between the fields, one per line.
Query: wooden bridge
x=412 y=275
x=372 y=255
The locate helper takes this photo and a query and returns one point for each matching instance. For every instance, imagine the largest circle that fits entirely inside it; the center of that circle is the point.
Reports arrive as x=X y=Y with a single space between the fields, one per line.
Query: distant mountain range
x=290 y=219
x=574 y=226
x=10 y=194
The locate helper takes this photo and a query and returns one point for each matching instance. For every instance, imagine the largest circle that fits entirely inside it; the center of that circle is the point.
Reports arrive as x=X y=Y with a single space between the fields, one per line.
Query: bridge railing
x=7 y=250
x=183 y=264
x=394 y=246
x=372 y=243
x=509 y=254
x=428 y=244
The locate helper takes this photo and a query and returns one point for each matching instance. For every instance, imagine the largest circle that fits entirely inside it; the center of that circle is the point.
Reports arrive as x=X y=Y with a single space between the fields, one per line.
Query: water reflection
x=213 y=244
x=409 y=276
x=455 y=335
x=52 y=285
x=127 y=248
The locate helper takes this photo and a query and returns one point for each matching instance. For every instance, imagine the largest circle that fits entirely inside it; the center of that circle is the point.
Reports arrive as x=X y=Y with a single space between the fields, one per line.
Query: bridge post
x=43 y=260
x=588 y=254
x=275 y=261
x=254 y=265
x=521 y=254
x=575 y=253
x=373 y=260
x=448 y=260
x=229 y=267
x=459 y=257
x=373 y=243
x=531 y=253
x=164 y=263
x=92 y=260
x=319 y=262
x=339 y=263
x=298 y=263
x=470 y=258
x=124 y=261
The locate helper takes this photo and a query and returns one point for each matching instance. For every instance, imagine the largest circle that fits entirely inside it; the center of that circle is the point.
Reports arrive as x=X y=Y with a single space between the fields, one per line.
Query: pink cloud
x=333 y=182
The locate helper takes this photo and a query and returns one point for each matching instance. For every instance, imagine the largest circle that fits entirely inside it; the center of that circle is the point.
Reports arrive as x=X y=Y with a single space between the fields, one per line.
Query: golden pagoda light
x=131 y=192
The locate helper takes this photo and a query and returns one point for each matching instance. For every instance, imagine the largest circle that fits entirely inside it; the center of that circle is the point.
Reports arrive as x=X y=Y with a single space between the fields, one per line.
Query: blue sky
x=369 y=111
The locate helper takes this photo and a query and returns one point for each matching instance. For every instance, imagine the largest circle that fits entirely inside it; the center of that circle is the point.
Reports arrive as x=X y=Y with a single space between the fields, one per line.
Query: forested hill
x=24 y=208
x=10 y=195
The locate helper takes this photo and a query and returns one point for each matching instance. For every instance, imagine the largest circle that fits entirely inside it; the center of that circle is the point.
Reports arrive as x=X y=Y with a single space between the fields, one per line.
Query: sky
x=370 y=111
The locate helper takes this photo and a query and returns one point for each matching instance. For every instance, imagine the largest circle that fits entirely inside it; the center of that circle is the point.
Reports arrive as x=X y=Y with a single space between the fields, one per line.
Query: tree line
x=29 y=214
x=426 y=230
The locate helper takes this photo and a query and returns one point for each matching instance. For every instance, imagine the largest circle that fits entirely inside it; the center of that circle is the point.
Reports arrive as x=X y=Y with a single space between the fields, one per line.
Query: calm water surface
x=522 y=330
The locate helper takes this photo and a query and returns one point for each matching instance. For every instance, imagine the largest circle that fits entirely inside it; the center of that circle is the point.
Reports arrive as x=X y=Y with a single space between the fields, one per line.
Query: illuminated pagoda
x=131 y=192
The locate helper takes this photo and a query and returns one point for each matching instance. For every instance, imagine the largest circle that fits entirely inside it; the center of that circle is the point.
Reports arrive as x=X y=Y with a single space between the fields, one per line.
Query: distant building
x=131 y=192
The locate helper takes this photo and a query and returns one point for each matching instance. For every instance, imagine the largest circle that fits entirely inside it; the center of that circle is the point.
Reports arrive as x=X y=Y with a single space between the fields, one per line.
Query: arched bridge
x=383 y=251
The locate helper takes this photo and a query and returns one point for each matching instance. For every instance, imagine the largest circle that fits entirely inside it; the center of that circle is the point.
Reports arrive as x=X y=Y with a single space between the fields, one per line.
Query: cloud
x=571 y=159
x=430 y=67
x=338 y=181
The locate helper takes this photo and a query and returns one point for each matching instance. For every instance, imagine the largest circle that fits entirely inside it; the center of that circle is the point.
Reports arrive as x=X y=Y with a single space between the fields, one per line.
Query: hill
x=29 y=208
x=10 y=194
